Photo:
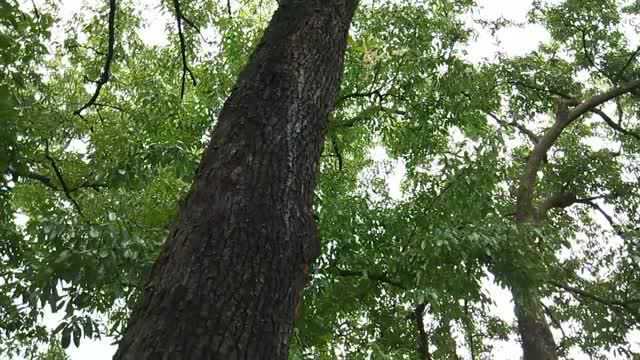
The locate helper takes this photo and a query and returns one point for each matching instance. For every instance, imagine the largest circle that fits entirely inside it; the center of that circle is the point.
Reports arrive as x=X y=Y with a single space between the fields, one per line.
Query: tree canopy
x=519 y=172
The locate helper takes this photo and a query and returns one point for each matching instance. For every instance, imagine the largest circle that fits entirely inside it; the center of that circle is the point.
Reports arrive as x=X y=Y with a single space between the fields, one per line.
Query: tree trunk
x=422 y=339
x=229 y=277
x=535 y=334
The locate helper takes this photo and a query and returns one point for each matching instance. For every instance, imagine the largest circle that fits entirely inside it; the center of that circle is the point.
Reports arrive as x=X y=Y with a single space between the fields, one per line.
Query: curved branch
x=106 y=71
x=557 y=201
x=600 y=99
x=608 y=217
x=524 y=206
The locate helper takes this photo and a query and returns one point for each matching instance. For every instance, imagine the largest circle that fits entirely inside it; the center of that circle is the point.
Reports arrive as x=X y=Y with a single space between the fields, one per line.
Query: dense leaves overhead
x=412 y=240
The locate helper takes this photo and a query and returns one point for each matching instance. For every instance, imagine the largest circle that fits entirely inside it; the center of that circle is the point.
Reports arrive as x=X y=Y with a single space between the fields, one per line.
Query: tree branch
x=613 y=124
x=183 y=49
x=106 y=71
x=524 y=206
x=383 y=278
x=607 y=217
x=65 y=188
x=45 y=180
x=600 y=99
x=628 y=63
x=556 y=322
x=355 y=95
x=558 y=200
x=620 y=305
x=543 y=89
x=528 y=133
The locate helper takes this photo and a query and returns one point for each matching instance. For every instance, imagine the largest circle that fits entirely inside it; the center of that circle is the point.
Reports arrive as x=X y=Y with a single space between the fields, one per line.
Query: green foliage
x=86 y=200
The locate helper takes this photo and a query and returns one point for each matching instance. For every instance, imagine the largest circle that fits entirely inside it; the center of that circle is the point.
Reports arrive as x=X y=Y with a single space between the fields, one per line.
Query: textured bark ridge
x=230 y=275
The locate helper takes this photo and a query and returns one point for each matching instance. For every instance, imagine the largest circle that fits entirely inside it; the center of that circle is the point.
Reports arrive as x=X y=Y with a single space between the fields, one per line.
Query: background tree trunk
x=229 y=277
x=537 y=339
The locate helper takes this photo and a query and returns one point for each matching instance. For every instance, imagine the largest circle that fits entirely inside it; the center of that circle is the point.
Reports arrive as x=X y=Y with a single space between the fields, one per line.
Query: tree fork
x=230 y=274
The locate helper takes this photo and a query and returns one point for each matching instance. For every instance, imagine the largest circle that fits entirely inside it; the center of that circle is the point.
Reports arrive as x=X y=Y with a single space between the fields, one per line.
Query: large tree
x=230 y=276
x=88 y=193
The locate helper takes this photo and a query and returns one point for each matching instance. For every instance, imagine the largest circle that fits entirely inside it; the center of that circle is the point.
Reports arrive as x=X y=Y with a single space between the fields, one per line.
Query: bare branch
x=106 y=71
x=183 y=49
x=613 y=124
x=607 y=217
x=619 y=305
x=533 y=137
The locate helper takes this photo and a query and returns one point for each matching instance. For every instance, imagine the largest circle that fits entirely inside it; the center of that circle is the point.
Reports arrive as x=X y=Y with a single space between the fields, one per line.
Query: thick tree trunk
x=230 y=275
x=535 y=334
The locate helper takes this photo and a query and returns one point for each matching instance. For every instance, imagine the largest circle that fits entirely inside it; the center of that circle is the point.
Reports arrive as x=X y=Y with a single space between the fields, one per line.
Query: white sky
x=512 y=41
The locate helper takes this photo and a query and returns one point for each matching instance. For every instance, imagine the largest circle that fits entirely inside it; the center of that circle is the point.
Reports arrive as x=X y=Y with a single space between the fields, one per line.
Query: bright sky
x=512 y=41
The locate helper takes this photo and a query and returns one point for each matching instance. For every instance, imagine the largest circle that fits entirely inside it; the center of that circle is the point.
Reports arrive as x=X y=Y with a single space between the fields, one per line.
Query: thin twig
x=106 y=71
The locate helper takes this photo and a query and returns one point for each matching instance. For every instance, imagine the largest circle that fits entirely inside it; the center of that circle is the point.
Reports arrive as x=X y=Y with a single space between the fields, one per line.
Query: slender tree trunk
x=535 y=333
x=537 y=339
x=229 y=277
x=422 y=338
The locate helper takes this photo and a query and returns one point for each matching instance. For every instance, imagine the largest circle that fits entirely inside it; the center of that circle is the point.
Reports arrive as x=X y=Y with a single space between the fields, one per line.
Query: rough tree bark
x=229 y=277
